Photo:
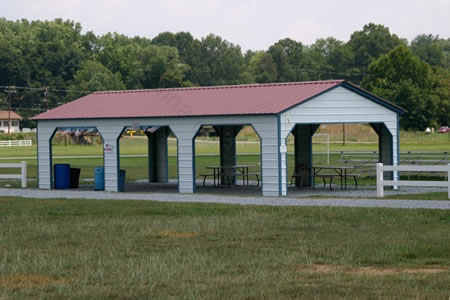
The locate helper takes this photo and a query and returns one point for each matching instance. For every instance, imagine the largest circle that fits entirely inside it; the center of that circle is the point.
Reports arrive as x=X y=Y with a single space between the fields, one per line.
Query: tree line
x=57 y=55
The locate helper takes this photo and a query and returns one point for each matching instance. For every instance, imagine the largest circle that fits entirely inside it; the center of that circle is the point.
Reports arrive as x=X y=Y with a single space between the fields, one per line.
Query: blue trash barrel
x=62 y=176
x=99 y=178
x=122 y=174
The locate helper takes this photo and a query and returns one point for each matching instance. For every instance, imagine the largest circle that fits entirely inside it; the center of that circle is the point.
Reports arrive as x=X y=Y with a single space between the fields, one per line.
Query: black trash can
x=74 y=177
x=122 y=174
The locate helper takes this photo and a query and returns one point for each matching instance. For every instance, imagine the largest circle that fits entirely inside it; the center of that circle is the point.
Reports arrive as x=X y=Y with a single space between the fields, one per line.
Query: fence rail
x=381 y=183
x=365 y=160
x=22 y=176
x=13 y=143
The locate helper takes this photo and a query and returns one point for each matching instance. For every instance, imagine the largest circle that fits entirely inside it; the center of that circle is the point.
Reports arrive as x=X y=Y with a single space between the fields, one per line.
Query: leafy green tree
x=142 y=64
x=445 y=46
x=370 y=43
x=287 y=55
x=93 y=76
x=328 y=59
x=442 y=94
x=38 y=54
x=222 y=62
x=189 y=50
x=13 y=68
x=154 y=67
x=404 y=79
x=261 y=67
x=428 y=48
x=111 y=53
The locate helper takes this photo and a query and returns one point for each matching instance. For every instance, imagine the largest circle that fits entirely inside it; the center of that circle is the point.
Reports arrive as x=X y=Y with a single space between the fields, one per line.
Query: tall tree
x=428 y=48
x=370 y=43
x=404 y=79
x=328 y=59
x=189 y=50
x=93 y=76
x=222 y=62
x=287 y=55
x=442 y=95
x=261 y=67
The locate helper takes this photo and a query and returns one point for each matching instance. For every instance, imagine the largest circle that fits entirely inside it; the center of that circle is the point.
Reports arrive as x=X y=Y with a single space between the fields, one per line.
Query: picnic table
x=338 y=171
x=301 y=172
x=230 y=173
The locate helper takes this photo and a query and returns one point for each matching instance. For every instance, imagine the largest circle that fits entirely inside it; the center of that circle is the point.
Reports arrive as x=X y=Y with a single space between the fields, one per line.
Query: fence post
x=24 y=174
x=448 y=180
x=380 y=188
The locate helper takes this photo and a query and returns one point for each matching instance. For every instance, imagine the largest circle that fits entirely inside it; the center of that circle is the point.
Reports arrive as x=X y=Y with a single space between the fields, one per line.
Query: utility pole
x=343 y=134
x=9 y=92
x=46 y=95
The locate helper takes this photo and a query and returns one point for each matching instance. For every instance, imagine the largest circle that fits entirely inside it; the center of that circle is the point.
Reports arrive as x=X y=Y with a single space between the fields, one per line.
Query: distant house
x=13 y=117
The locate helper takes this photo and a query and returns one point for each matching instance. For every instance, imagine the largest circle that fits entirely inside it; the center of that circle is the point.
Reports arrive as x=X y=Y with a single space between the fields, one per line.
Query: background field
x=358 y=138
x=133 y=249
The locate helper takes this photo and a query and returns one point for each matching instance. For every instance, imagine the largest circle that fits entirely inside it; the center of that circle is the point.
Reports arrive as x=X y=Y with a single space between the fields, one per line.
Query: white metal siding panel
x=185 y=134
x=45 y=131
x=267 y=129
x=111 y=133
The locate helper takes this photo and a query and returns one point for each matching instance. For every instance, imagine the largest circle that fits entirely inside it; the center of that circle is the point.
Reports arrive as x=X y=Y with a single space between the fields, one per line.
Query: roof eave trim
x=156 y=117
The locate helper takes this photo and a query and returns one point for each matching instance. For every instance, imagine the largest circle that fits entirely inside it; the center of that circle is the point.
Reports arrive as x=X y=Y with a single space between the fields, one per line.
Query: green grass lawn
x=56 y=248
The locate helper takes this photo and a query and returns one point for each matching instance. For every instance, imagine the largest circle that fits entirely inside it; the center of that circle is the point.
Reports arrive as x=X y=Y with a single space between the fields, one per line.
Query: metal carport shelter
x=273 y=110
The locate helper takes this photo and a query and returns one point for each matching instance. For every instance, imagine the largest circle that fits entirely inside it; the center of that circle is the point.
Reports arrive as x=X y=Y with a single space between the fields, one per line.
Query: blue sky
x=252 y=24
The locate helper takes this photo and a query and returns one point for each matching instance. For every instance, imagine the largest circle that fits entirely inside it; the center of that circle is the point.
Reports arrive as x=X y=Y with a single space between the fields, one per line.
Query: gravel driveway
x=227 y=199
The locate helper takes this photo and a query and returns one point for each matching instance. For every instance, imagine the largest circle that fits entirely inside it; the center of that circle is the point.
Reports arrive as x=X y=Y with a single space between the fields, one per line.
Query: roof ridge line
x=252 y=85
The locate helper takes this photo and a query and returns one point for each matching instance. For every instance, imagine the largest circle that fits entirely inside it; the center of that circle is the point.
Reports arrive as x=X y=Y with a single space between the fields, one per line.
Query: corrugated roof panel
x=203 y=101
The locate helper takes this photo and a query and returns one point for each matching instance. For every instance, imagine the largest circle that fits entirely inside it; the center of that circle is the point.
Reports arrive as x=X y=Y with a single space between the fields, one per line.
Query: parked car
x=443 y=129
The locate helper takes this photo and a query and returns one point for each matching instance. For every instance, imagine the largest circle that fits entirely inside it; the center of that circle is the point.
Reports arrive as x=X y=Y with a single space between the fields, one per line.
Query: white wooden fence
x=381 y=183
x=22 y=175
x=12 y=143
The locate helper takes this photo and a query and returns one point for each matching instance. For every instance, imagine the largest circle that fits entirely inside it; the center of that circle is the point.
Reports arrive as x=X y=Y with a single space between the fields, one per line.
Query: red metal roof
x=199 y=101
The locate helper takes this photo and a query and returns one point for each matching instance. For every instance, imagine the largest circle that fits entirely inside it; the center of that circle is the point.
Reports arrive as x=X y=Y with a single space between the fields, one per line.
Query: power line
x=334 y=73
x=43 y=89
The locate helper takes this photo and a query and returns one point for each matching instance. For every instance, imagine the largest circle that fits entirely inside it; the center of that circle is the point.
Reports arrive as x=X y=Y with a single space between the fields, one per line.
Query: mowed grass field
x=74 y=249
